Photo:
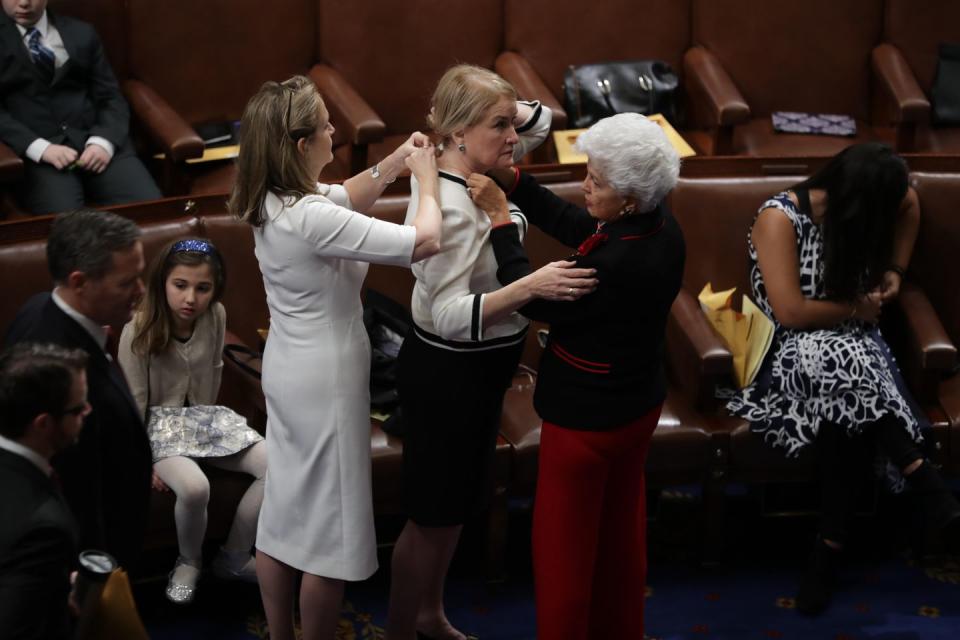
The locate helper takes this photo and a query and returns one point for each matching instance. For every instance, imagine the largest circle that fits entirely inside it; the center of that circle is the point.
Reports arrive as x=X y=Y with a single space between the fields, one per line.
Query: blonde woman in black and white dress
x=458 y=360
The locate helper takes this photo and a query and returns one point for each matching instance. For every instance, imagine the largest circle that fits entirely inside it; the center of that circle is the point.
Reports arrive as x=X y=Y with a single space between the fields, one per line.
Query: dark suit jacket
x=106 y=476
x=38 y=548
x=603 y=364
x=84 y=98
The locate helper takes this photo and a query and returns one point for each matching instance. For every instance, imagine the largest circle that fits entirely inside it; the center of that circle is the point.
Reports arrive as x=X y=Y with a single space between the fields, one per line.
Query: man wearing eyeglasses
x=43 y=402
x=96 y=261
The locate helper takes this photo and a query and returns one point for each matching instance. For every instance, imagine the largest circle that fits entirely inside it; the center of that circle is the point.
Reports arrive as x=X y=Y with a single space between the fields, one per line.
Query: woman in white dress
x=313 y=249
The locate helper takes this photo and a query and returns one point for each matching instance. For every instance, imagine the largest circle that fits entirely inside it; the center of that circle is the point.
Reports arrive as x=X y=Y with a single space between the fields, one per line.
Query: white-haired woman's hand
x=489 y=198
x=561 y=281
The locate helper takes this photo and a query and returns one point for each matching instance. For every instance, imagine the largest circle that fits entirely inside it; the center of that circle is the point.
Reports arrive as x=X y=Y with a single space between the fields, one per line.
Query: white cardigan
x=447 y=301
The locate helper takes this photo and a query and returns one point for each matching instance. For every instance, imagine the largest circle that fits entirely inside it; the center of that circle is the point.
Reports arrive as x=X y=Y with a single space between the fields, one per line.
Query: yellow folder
x=567 y=154
x=748 y=335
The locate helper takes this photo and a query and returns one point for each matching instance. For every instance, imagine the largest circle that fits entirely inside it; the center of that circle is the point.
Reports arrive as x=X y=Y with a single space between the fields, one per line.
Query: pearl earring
x=462 y=148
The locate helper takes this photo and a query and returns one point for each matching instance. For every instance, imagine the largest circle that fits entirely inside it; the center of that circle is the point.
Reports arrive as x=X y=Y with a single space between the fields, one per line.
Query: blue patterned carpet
x=883 y=595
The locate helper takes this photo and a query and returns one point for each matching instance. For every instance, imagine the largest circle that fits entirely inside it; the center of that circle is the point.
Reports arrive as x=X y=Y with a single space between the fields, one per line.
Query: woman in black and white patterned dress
x=825 y=257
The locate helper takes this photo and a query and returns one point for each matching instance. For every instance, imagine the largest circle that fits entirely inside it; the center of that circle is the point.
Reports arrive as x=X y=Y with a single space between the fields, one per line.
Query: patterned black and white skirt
x=845 y=376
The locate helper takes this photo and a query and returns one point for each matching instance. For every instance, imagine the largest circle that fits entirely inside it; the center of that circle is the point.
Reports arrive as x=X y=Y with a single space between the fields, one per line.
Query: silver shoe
x=181 y=592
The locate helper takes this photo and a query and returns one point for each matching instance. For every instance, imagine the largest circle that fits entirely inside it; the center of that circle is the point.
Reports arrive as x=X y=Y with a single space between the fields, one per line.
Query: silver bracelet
x=375 y=174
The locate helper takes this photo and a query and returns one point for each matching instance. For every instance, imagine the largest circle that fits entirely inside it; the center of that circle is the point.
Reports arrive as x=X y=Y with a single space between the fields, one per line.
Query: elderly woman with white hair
x=601 y=383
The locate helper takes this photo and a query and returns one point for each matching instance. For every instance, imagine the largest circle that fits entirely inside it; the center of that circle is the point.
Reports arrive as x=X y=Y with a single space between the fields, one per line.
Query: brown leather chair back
x=716 y=215
x=553 y=35
x=23 y=265
x=917 y=28
x=394 y=282
x=157 y=235
x=798 y=56
x=244 y=298
x=23 y=273
x=107 y=17
x=207 y=58
x=935 y=253
x=394 y=54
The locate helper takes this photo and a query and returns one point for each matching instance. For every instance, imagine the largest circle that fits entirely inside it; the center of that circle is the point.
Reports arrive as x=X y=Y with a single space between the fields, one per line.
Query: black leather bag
x=945 y=93
x=592 y=92
x=387 y=323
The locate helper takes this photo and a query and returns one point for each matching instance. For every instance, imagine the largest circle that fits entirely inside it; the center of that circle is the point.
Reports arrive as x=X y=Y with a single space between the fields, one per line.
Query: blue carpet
x=882 y=595
x=893 y=601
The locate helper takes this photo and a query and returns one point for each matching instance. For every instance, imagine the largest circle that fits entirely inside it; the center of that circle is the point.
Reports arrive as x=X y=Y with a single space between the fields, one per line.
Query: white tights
x=188 y=482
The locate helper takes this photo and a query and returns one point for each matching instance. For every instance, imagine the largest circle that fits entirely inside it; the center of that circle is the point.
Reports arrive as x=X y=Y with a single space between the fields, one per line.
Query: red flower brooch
x=591 y=243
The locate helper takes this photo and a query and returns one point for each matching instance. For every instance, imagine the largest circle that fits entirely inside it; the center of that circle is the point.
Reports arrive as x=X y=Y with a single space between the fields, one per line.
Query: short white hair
x=633 y=154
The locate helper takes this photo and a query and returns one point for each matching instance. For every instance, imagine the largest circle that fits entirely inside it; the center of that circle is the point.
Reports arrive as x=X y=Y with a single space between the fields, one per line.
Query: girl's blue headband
x=197 y=246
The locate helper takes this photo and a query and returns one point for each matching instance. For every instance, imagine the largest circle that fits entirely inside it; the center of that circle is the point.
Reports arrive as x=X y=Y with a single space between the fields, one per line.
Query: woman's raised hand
x=422 y=163
x=416 y=141
x=562 y=281
x=489 y=197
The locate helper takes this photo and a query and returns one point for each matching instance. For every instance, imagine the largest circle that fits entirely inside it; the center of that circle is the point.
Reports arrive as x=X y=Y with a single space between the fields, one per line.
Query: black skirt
x=451 y=403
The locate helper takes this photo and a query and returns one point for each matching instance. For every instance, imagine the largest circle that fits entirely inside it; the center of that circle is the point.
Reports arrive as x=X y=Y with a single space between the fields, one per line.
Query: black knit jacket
x=603 y=363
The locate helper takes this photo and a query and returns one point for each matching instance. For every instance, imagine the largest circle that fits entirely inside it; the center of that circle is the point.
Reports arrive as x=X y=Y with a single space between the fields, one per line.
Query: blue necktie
x=42 y=56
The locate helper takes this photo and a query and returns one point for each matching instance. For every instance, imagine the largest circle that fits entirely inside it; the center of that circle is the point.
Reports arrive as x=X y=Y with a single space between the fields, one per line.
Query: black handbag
x=387 y=323
x=592 y=92
x=945 y=93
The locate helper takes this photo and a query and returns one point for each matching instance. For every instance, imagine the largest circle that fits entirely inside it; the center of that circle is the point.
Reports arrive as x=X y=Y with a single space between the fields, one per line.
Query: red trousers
x=589 y=531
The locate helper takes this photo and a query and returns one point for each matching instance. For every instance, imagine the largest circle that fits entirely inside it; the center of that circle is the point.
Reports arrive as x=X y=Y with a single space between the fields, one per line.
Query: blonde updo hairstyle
x=462 y=97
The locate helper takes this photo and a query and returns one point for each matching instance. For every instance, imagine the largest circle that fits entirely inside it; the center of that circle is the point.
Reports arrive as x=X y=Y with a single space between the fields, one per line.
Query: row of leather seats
x=186 y=63
x=694 y=442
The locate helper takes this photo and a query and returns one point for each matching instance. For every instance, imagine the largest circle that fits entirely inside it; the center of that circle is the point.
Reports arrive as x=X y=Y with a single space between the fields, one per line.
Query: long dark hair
x=865 y=185
x=153 y=321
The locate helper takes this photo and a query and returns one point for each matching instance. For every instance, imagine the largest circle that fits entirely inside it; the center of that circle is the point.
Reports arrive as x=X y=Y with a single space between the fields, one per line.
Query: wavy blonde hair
x=274 y=120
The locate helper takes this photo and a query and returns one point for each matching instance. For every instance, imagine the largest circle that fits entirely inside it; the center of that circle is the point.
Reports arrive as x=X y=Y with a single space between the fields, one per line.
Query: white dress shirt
x=96 y=331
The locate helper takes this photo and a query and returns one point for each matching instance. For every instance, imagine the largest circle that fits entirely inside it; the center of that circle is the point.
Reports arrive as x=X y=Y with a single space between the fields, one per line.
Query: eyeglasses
x=78 y=410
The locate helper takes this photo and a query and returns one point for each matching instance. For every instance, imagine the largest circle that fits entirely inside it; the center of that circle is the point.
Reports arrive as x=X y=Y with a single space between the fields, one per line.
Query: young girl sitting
x=171 y=354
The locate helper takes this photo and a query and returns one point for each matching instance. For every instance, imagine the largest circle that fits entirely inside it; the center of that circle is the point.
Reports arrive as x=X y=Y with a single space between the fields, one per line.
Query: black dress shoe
x=818 y=581
x=938 y=503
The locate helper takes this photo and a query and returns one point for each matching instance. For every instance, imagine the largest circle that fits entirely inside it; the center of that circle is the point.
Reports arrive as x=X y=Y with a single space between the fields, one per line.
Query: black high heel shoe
x=940 y=507
x=819 y=580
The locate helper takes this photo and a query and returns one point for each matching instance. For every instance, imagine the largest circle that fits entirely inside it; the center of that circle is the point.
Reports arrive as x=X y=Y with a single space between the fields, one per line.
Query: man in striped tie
x=62 y=111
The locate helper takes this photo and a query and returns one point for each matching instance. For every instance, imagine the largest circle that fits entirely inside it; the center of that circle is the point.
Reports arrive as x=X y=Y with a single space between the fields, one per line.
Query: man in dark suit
x=43 y=401
x=61 y=109
x=96 y=261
